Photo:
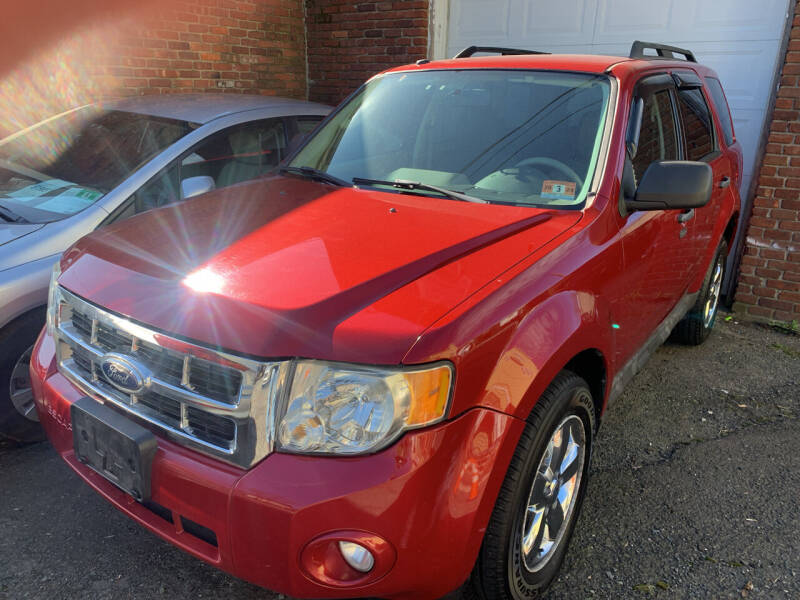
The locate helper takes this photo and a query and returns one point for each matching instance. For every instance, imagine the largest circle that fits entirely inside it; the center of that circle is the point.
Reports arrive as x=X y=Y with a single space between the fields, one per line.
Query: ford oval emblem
x=124 y=373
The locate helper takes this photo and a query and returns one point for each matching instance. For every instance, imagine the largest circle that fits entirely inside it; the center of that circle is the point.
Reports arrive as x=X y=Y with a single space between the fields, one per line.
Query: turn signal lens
x=430 y=391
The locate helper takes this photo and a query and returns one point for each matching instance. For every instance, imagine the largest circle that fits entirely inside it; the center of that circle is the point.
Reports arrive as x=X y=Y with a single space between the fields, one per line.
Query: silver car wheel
x=710 y=308
x=20 y=388
x=554 y=493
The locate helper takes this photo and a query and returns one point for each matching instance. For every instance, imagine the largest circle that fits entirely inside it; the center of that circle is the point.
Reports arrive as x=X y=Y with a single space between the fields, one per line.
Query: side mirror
x=194 y=186
x=668 y=184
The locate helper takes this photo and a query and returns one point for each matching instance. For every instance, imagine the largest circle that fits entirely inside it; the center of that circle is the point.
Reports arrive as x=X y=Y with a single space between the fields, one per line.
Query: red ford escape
x=380 y=371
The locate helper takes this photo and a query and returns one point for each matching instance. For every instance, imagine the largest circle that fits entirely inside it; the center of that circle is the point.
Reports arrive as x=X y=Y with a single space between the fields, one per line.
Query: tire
x=505 y=570
x=16 y=342
x=697 y=324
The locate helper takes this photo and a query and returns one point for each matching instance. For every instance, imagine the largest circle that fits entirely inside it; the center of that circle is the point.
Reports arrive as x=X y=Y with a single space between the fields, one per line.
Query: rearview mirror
x=194 y=186
x=668 y=184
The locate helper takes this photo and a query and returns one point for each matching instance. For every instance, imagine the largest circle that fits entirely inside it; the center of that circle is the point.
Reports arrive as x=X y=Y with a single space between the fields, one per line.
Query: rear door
x=659 y=258
x=700 y=143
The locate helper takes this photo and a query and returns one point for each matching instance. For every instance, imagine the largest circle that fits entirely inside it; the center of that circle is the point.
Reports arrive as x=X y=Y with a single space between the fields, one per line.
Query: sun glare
x=204 y=281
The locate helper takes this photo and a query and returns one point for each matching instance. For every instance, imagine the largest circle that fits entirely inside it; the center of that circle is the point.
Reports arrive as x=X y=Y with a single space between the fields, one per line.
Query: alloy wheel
x=20 y=388
x=554 y=493
x=714 y=287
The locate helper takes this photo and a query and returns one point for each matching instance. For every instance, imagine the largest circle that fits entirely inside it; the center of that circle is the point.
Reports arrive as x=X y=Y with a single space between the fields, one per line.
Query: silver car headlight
x=52 y=299
x=335 y=408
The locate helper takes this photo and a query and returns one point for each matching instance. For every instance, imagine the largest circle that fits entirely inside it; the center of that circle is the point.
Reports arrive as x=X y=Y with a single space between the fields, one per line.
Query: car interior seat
x=247 y=161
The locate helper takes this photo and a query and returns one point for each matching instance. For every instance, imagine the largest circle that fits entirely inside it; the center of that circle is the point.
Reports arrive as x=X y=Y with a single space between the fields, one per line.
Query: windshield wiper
x=10 y=216
x=403 y=184
x=312 y=173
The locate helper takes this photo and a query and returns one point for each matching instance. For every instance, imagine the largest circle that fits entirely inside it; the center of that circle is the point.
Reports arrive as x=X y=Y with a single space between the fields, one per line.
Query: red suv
x=380 y=370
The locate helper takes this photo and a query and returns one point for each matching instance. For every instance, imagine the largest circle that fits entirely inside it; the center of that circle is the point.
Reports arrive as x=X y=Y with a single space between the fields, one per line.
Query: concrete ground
x=694 y=493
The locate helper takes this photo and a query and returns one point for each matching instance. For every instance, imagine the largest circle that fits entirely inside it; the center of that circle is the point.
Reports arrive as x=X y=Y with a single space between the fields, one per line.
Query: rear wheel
x=696 y=326
x=18 y=418
x=540 y=499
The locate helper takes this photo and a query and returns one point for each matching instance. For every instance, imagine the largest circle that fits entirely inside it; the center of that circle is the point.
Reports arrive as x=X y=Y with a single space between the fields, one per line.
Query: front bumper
x=422 y=505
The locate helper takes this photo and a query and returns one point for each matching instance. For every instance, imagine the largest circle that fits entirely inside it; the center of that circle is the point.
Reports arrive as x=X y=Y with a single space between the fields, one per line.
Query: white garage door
x=739 y=39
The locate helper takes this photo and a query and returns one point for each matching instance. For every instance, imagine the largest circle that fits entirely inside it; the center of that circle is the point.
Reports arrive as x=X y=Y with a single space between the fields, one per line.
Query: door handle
x=724 y=182
x=686 y=215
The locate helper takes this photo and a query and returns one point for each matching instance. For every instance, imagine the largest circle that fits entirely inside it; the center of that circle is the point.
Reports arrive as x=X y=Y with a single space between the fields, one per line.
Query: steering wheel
x=555 y=164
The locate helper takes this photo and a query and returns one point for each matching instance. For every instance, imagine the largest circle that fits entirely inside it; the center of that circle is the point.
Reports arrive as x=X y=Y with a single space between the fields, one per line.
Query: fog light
x=357 y=556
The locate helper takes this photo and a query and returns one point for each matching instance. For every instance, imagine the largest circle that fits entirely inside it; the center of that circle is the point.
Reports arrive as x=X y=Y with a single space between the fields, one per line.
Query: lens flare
x=205 y=281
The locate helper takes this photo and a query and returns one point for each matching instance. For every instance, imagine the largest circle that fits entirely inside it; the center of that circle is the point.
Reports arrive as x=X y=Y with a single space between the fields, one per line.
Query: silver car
x=98 y=164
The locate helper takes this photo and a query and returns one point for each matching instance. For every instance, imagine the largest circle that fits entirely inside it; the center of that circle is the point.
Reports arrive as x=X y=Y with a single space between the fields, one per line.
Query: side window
x=657 y=137
x=306 y=125
x=721 y=104
x=237 y=154
x=696 y=124
x=161 y=190
x=229 y=156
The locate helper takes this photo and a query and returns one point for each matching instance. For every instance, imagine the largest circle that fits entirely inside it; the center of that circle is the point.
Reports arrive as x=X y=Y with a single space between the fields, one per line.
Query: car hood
x=12 y=231
x=287 y=267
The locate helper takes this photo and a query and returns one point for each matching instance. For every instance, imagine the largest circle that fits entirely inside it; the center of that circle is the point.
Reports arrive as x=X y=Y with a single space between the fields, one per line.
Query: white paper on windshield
x=39 y=189
x=70 y=201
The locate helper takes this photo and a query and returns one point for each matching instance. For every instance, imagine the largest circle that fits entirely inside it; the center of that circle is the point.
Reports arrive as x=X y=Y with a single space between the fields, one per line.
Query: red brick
x=790 y=203
x=759 y=311
x=753 y=261
x=762 y=222
x=764 y=292
x=775 y=304
x=746 y=298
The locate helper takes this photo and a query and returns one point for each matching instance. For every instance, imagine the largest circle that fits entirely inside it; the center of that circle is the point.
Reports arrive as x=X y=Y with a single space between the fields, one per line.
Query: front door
x=658 y=245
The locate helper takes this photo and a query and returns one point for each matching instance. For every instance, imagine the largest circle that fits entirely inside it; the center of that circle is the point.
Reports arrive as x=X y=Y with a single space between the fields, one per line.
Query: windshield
x=65 y=164
x=513 y=136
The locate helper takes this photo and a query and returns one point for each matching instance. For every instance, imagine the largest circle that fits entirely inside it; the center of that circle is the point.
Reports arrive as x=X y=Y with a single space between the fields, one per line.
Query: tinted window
x=721 y=104
x=66 y=164
x=520 y=137
x=306 y=125
x=229 y=156
x=237 y=154
x=696 y=124
x=657 y=137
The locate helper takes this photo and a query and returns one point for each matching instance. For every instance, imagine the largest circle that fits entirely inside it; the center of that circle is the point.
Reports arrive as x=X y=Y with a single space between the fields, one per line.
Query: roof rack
x=467 y=52
x=662 y=51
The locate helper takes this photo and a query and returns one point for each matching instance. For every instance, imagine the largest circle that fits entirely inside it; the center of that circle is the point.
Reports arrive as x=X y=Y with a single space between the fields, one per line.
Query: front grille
x=205 y=378
x=219 y=403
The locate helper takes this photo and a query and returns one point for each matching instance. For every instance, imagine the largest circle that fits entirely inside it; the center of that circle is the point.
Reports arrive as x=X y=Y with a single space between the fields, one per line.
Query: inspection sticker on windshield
x=40 y=189
x=69 y=201
x=558 y=190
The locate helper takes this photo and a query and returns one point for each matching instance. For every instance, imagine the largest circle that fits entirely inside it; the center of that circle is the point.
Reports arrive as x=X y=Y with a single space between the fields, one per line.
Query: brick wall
x=769 y=279
x=350 y=41
x=255 y=46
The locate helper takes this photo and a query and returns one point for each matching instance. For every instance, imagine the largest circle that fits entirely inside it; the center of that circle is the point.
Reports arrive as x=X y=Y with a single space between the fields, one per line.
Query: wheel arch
x=573 y=339
x=590 y=365
x=28 y=313
x=729 y=234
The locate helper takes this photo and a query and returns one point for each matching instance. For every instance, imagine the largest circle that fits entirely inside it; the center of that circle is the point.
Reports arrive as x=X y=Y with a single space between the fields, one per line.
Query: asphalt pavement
x=694 y=493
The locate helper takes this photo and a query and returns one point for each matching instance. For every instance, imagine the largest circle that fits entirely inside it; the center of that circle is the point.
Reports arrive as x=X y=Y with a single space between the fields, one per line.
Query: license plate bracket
x=113 y=446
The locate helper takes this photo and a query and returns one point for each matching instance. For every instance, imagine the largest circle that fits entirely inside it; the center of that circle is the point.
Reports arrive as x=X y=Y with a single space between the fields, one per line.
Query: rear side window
x=696 y=124
x=723 y=110
x=657 y=138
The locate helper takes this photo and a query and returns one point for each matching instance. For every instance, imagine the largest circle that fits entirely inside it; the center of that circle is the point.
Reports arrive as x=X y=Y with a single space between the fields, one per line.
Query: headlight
x=335 y=408
x=52 y=298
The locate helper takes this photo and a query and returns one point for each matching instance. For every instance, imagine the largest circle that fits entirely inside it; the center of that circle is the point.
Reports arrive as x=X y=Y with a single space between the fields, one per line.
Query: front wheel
x=18 y=418
x=540 y=499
